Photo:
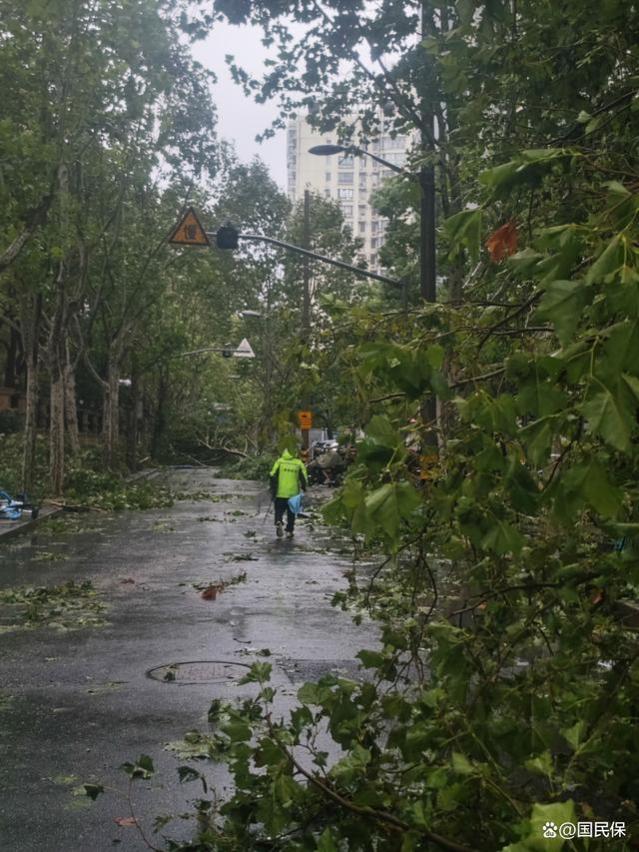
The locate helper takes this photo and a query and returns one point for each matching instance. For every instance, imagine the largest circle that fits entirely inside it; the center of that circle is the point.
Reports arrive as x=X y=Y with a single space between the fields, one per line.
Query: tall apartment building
x=348 y=180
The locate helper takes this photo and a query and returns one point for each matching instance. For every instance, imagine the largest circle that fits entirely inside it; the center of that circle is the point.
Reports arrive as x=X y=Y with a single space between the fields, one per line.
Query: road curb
x=144 y=475
x=18 y=527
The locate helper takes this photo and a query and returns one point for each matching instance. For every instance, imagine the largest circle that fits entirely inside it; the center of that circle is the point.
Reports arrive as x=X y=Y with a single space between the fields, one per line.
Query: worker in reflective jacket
x=288 y=477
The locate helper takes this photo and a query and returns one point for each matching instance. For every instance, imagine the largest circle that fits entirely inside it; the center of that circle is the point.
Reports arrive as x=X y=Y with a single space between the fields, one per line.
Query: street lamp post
x=426 y=180
x=427 y=246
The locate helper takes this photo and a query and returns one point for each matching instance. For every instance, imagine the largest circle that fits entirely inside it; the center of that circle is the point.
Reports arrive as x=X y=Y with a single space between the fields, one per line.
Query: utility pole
x=428 y=209
x=306 y=269
x=306 y=299
x=427 y=260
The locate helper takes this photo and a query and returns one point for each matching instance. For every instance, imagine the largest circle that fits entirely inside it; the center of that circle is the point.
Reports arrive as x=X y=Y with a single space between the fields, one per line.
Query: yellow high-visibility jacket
x=291 y=476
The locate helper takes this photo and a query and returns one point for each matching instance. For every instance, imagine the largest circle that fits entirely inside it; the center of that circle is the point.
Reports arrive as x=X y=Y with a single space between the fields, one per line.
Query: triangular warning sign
x=244 y=350
x=189 y=231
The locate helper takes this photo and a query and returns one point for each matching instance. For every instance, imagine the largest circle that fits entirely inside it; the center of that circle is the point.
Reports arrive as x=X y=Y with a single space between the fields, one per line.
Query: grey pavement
x=76 y=704
x=10 y=529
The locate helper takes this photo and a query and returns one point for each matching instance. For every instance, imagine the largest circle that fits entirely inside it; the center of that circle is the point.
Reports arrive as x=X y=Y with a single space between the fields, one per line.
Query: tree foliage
x=504 y=696
x=108 y=132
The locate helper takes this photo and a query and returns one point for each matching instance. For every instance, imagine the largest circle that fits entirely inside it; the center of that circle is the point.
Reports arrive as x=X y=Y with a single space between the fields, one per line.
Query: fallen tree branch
x=520 y=310
x=527 y=329
x=229 y=450
x=486 y=596
x=226 y=450
x=384 y=817
x=387 y=397
x=74 y=507
x=478 y=378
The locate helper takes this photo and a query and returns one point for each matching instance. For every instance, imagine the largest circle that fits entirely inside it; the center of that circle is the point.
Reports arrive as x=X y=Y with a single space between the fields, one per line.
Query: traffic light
x=227 y=352
x=226 y=237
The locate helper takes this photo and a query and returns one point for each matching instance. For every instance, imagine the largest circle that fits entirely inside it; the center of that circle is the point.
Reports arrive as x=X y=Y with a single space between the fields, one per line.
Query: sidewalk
x=8 y=529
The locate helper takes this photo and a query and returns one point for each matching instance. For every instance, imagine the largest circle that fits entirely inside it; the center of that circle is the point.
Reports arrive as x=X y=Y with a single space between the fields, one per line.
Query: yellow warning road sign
x=189 y=231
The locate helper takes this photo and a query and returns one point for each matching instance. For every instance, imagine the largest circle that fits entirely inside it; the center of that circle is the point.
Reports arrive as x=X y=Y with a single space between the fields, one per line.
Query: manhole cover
x=198 y=671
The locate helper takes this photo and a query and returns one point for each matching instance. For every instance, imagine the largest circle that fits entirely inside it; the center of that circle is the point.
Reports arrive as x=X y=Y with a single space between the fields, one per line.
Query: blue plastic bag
x=295 y=503
x=9 y=509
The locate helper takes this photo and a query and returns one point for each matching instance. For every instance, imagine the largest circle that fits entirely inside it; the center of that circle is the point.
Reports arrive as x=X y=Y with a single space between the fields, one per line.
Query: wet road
x=76 y=704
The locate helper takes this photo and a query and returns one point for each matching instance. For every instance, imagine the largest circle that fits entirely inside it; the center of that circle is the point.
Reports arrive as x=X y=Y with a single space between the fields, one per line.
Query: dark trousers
x=281 y=506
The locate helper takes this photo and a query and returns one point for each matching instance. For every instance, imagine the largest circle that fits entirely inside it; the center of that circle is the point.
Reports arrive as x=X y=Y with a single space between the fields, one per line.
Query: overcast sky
x=240 y=119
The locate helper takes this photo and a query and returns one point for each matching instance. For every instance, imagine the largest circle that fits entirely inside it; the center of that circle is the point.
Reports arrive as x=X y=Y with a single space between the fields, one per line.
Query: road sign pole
x=305 y=419
x=189 y=232
x=223 y=244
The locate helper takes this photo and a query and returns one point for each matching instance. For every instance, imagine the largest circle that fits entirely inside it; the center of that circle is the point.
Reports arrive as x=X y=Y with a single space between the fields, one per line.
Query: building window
x=362 y=227
x=345 y=193
x=396 y=157
x=327 y=193
x=346 y=161
x=362 y=209
x=345 y=177
x=347 y=209
x=328 y=177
